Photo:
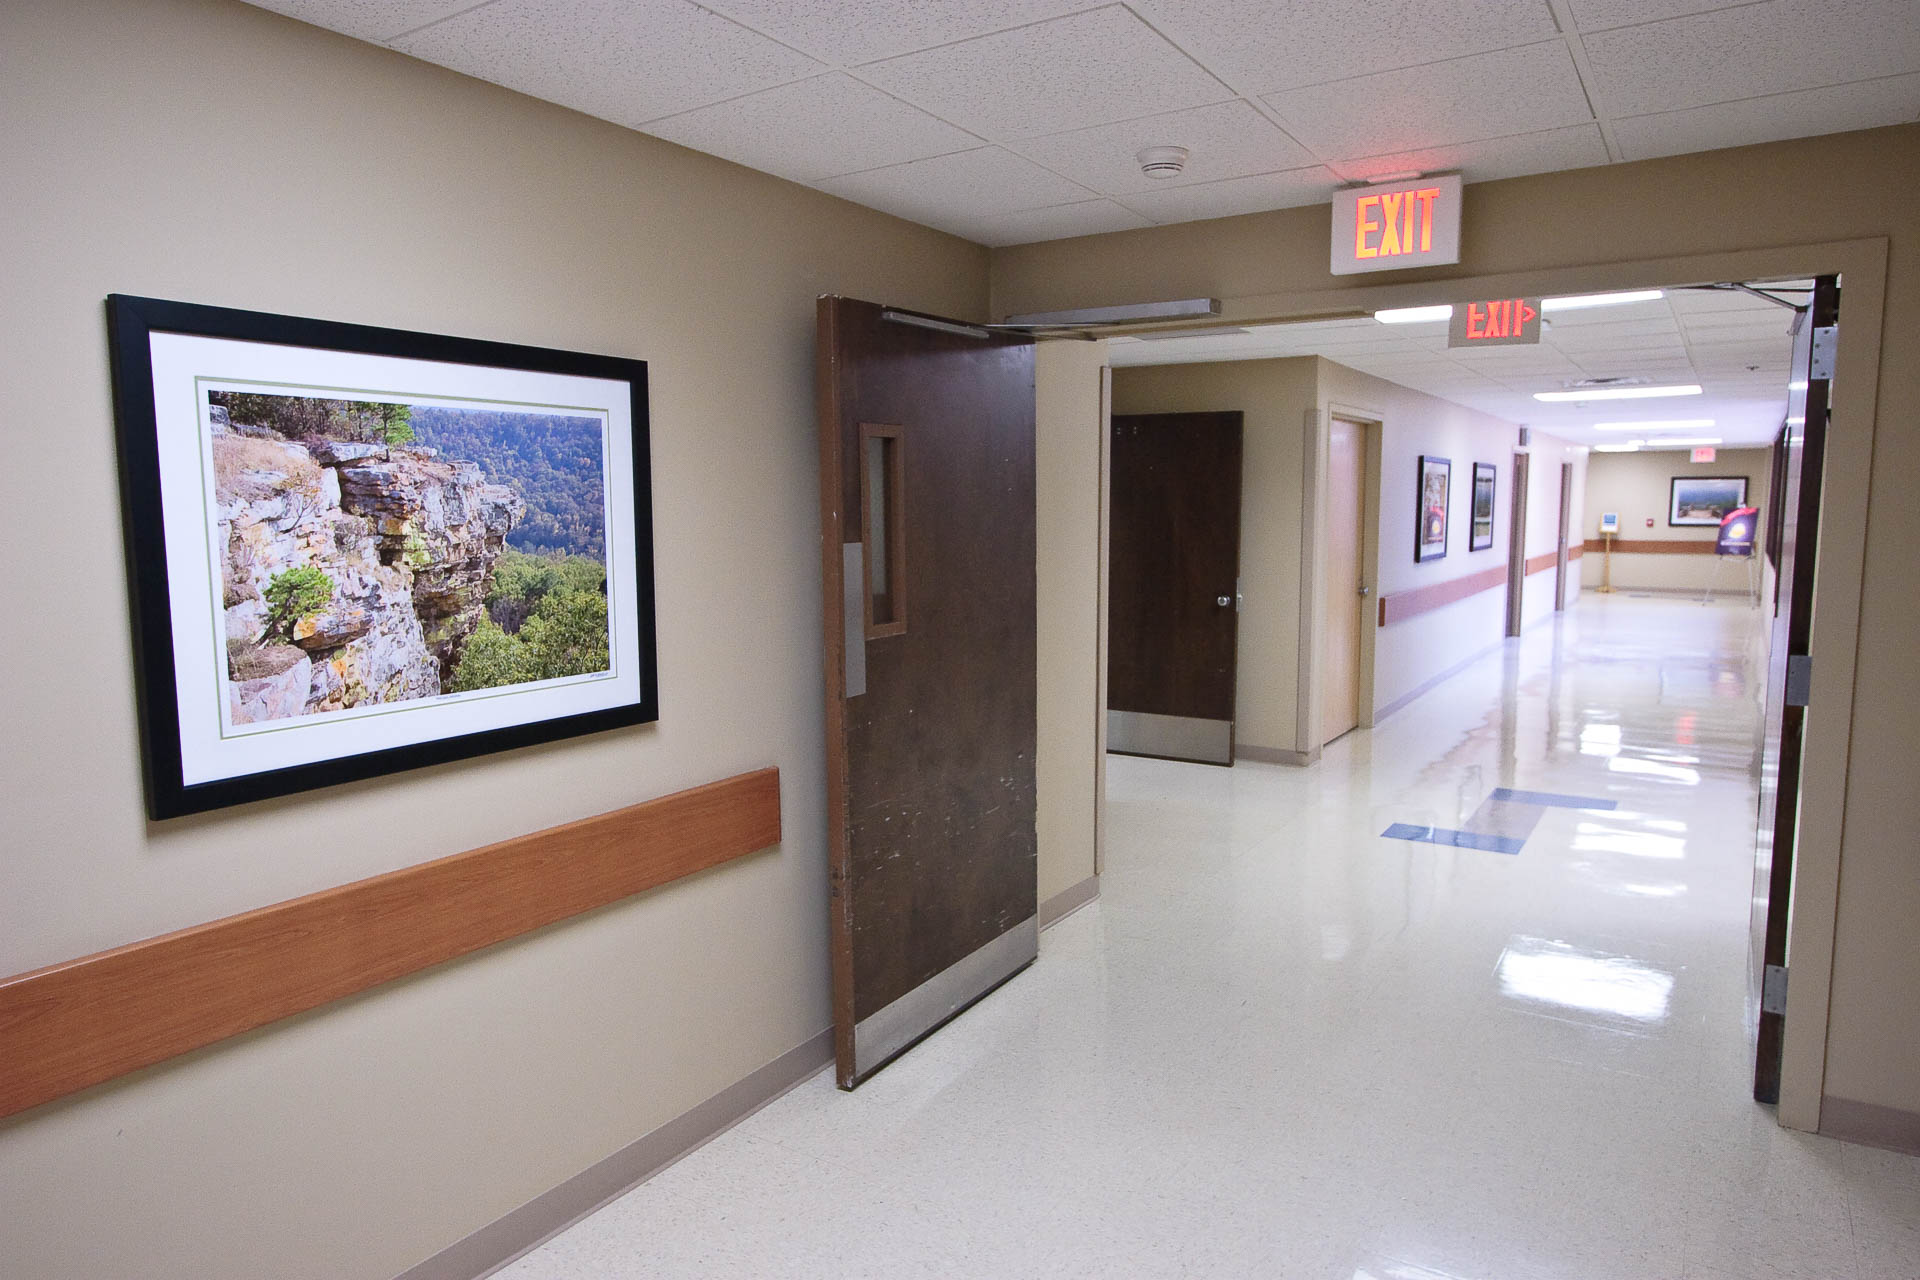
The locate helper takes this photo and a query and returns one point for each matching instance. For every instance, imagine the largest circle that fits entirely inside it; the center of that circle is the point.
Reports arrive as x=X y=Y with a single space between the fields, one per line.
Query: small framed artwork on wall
x=1430 y=529
x=1704 y=500
x=357 y=550
x=1480 y=537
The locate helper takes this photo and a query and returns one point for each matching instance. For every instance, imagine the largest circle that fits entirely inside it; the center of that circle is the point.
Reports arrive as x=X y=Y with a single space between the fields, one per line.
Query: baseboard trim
x=1870 y=1125
x=1275 y=755
x=551 y=1212
x=1067 y=901
x=1381 y=713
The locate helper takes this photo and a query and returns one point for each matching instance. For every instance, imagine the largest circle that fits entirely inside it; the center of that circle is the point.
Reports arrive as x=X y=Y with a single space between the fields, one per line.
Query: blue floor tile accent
x=1552 y=800
x=1459 y=839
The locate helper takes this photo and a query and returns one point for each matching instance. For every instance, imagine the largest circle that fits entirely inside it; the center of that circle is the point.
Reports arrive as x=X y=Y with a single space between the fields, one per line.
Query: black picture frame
x=1432 y=500
x=1485 y=482
x=156 y=347
x=1692 y=504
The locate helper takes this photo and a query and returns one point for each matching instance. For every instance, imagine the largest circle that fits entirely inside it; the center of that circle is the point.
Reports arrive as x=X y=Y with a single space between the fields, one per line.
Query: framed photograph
x=1704 y=500
x=358 y=550
x=1430 y=528
x=1480 y=537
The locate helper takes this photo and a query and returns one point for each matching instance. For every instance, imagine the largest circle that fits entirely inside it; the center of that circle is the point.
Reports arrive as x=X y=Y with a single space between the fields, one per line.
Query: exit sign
x=1396 y=225
x=1503 y=322
x=1703 y=454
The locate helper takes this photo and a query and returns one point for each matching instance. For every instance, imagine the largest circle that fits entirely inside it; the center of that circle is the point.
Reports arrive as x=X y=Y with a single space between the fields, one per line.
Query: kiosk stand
x=1609 y=525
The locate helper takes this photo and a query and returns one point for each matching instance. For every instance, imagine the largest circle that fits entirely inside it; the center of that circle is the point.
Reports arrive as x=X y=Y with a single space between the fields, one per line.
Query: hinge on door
x=1826 y=339
x=1773 y=989
x=1799 y=678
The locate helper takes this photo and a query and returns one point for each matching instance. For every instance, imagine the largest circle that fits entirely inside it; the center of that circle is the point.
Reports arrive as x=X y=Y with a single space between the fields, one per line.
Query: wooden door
x=1517 y=547
x=1789 y=668
x=1340 y=623
x=1173 y=585
x=927 y=528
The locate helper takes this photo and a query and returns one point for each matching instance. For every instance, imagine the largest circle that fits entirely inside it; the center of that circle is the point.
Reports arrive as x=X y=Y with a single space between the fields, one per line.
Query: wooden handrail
x=81 y=1022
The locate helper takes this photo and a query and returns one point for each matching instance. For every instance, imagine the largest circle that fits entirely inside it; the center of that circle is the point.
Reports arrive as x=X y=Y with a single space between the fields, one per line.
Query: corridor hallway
x=1282 y=1045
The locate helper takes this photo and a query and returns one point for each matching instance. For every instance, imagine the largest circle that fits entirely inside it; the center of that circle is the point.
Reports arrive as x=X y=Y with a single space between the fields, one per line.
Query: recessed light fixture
x=1414 y=315
x=1581 y=300
x=1665 y=424
x=1616 y=393
x=1625 y=446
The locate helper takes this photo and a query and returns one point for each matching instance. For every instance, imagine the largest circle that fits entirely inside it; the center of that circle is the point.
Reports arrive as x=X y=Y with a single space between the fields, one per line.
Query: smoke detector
x=1162 y=162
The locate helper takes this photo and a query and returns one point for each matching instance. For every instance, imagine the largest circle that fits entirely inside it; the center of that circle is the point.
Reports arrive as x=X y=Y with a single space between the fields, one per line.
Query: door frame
x=1862 y=264
x=1517 y=542
x=1319 y=435
x=1564 y=532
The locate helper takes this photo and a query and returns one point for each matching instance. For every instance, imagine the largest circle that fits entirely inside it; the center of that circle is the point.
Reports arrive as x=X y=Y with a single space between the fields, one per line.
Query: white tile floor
x=1280 y=1045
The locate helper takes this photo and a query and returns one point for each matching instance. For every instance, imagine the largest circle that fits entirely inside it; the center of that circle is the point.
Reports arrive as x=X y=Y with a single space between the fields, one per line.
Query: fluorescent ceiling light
x=1583 y=300
x=1663 y=424
x=1414 y=315
x=1615 y=393
x=1628 y=446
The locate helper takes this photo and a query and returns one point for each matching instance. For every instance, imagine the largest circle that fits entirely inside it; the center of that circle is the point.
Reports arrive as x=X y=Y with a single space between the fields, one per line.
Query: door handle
x=1223 y=601
x=1366 y=590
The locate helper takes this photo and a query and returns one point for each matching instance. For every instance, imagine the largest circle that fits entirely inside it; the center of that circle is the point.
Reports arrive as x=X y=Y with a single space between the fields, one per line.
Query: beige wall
x=1839 y=198
x=1277 y=399
x=206 y=151
x=1410 y=655
x=1547 y=455
x=1637 y=486
x=1071 y=432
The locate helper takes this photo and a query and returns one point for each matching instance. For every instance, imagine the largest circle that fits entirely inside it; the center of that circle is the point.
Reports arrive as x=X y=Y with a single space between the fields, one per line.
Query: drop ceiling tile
x=628 y=61
x=814 y=129
x=1515 y=157
x=955 y=192
x=1065 y=74
x=1081 y=218
x=1235 y=196
x=1597 y=15
x=1263 y=45
x=1487 y=95
x=1803 y=114
x=1225 y=140
x=1754 y=50
x=856 y=31
x=376 y=20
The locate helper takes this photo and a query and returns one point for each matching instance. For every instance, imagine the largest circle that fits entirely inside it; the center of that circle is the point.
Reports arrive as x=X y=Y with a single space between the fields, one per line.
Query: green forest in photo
x=554 y=462
x=546 y=618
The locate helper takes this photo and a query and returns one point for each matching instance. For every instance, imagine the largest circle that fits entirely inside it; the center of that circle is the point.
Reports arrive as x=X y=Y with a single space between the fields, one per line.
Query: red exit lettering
x=1506 y=318
x=1394 y=224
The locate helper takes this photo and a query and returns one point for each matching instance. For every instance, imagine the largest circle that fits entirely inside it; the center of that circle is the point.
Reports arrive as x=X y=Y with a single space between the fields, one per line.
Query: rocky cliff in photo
x=353 y=573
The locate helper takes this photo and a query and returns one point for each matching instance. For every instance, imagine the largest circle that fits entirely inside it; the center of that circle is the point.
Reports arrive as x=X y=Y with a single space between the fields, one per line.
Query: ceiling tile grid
x=1087 y=69
x=1279 y=102
x=813 y=129
x=627 y=61
x=1485 y=95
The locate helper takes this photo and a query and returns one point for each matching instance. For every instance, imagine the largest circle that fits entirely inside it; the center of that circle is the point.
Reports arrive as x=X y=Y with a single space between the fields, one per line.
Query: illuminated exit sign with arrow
x=1392 y=226
x=1503 y=322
